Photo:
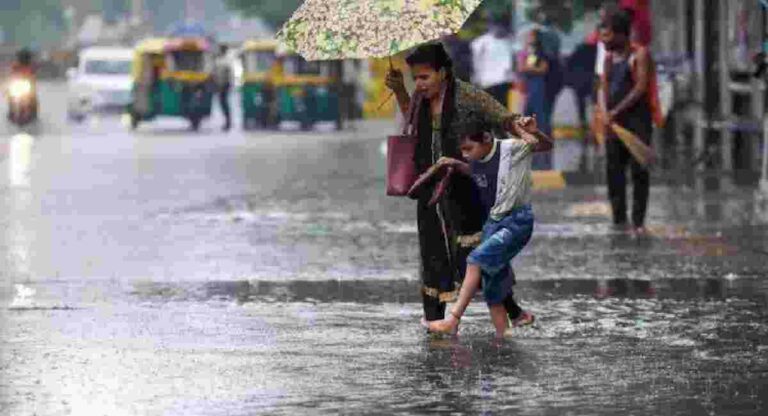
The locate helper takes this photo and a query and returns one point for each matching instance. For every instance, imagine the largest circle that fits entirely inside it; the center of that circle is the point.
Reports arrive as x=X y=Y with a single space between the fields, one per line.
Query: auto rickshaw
x=260 y=70
x=173 y=77
x=307 y=92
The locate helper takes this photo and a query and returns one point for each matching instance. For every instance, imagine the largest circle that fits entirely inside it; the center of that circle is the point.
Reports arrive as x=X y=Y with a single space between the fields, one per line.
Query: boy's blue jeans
x=502 y=240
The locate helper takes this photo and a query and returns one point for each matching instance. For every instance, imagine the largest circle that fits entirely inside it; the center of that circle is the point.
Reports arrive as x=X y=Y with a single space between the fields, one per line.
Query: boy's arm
x=640 y=87
x=531 y=134
x=544 y=142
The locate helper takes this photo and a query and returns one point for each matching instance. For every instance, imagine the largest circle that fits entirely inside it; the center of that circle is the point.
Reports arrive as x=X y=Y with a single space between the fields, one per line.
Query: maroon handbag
x=401 y=149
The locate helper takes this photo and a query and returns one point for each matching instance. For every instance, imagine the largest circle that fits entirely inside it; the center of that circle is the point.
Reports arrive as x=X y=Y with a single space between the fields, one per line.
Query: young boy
x=502 y=171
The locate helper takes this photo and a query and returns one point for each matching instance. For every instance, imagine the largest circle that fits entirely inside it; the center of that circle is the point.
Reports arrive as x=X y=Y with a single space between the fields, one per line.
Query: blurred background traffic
x=152 y=58
x=257 y=266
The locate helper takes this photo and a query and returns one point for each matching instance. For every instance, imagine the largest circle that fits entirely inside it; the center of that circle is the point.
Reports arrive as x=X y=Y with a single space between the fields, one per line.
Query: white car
x=100 y=82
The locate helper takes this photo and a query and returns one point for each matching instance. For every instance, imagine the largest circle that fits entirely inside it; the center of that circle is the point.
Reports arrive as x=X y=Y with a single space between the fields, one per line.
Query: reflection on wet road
x=171 y=273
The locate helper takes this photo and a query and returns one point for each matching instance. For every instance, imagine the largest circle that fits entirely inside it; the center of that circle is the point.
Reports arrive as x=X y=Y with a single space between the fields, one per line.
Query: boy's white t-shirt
x=504 y=176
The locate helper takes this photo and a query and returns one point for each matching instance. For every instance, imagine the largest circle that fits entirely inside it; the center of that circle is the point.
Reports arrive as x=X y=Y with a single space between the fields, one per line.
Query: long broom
x=642 y=153
x=598 y=127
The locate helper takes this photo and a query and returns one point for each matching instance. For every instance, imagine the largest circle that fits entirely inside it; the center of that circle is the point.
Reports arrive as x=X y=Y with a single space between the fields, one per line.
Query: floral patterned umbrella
x=341 y=29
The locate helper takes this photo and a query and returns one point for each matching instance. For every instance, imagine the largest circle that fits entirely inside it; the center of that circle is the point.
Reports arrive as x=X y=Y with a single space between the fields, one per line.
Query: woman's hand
x=448 y=164
x=445 y=162
x=395 y=81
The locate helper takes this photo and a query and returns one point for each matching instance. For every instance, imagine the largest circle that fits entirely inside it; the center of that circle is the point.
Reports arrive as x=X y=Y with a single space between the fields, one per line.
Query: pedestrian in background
x=446 y=230
x=492 y=59
x=550 y=48
x=223 y=80
x=580 y=76
x=534 y=65
x=461 y=54
x=626 y=88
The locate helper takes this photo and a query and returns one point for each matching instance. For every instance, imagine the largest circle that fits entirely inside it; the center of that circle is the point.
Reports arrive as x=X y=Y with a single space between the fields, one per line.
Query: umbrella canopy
x=357 y=29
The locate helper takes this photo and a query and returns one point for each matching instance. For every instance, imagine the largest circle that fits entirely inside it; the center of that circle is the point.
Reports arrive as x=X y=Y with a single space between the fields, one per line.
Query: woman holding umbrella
x=342 y=29
x=445 y=103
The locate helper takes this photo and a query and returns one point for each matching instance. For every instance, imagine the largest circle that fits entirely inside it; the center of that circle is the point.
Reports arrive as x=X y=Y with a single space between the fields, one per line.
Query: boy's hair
x=474 y=130
x=619 y=23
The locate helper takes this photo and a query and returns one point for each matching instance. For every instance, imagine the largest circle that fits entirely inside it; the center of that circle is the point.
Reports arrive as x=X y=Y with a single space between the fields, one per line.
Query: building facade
x=707 y=47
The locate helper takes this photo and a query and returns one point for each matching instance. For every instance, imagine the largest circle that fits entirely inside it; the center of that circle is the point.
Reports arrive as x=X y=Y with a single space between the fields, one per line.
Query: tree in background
x=562 y=13
x=32 y=23
x=273 y=12
x=277 y=12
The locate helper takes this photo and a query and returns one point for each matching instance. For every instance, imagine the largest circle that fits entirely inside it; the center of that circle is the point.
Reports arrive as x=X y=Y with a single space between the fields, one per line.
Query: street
x=166 y=272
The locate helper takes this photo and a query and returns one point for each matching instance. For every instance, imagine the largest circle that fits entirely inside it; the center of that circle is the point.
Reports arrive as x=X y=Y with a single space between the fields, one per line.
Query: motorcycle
x=22 y=101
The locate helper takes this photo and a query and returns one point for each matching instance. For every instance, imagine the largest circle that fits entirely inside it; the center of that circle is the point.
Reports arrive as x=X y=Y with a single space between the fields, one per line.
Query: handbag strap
x=409 y=125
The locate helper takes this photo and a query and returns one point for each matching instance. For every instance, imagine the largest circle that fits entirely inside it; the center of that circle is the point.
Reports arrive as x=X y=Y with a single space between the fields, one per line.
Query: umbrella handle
x=386 y=100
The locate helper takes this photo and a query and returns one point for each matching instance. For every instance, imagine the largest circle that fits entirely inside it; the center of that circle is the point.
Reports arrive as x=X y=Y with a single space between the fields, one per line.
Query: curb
x=548 y=180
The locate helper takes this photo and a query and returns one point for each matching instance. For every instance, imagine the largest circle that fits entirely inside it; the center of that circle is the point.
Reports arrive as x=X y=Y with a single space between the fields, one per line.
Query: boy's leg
x=500 y=244
x=498 y=318
x=467 y=292
x=510 y=305
x=517 y=316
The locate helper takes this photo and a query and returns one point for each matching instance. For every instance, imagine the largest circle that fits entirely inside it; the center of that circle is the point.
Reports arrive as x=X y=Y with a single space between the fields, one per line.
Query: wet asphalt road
x=164 y=272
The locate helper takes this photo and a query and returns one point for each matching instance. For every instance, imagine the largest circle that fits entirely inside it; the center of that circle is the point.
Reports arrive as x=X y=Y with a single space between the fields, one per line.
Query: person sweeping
x=630 y=105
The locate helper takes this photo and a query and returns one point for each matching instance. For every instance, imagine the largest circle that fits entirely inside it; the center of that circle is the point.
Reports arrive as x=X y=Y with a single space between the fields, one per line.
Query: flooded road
x=163 y=272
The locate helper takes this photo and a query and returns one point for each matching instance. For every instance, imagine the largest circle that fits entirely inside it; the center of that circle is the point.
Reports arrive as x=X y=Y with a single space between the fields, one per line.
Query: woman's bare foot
x=449 y=325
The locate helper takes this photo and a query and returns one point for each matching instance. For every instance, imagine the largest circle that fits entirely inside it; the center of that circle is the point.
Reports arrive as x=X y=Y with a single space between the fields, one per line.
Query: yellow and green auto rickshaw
x=173 y=77
x=260 y=70
x=307 y=92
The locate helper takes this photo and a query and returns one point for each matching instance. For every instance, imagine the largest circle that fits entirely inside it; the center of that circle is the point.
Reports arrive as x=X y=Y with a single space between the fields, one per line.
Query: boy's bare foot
x=449 y=325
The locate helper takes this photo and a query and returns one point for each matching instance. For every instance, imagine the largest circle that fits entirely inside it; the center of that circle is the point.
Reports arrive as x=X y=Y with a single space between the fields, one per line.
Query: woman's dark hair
x=432 y=54
x=619 y=22
x=473 y=130
x=435 y=55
